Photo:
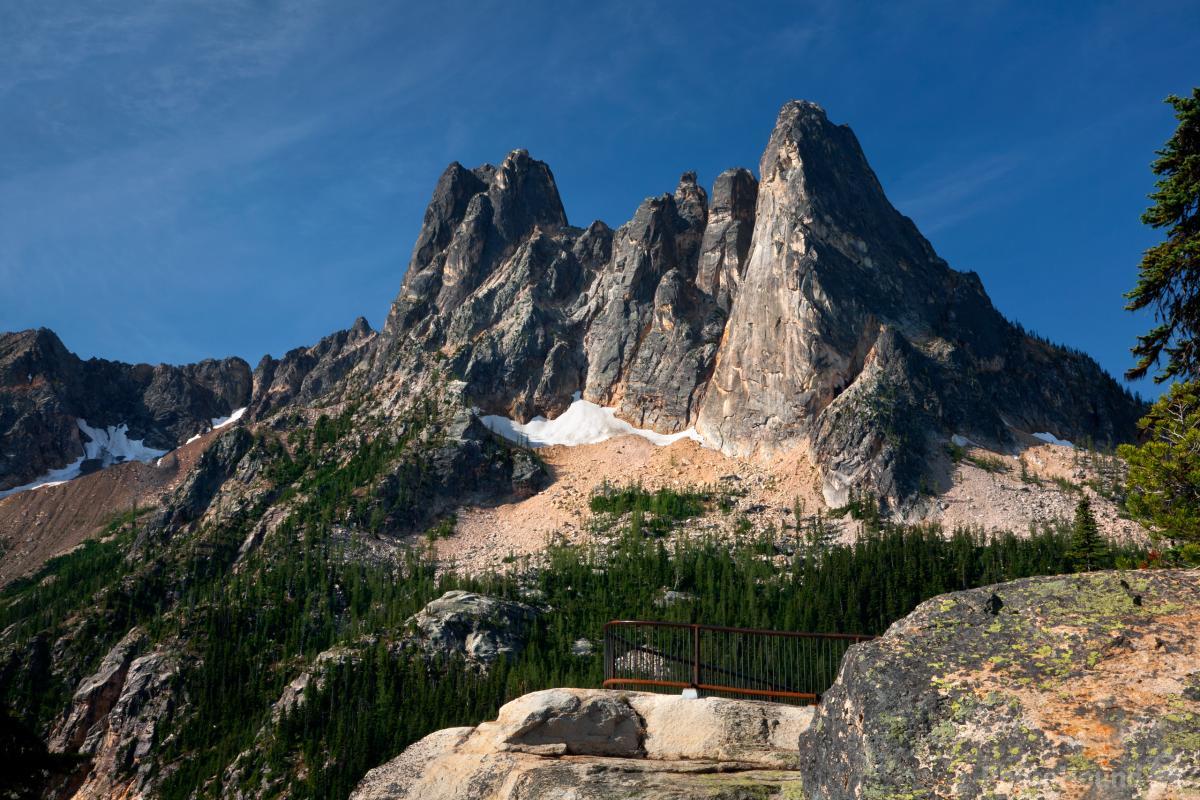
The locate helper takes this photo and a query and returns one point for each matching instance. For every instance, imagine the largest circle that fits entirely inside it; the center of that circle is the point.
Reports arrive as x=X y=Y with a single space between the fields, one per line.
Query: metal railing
x=717 y=661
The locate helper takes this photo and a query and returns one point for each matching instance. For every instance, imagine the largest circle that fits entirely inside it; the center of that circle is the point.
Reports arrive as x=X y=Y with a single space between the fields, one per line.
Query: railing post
x=696 y=658
x=608 y=653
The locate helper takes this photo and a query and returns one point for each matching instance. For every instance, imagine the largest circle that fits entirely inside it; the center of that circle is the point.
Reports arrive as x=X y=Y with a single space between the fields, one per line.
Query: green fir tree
x=1088 y=550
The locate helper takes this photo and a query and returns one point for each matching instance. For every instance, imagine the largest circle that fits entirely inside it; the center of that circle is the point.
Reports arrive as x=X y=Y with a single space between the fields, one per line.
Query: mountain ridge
x=834 y=327
x=795 y=311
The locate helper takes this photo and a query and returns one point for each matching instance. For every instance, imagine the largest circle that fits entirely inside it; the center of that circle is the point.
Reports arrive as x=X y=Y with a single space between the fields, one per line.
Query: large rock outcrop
x=596 y=745
x=305 y=374
x=475 y=627
x=802 y=312
x=46 y=391
x=114 y=719
x=1059 y=687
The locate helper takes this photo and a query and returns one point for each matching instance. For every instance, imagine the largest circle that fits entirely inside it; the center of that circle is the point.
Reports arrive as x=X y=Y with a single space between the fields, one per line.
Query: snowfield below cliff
x=583 y=422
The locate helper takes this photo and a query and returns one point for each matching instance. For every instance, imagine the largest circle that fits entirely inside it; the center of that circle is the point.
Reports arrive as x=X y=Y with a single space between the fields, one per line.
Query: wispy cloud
x=941 y=194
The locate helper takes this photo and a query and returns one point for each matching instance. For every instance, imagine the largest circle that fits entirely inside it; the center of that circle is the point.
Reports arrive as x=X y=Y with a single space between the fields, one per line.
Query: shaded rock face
x=470 y=464
x=1073 y=686
x=475 y=627
x=802 y=311
x=114 y=717
x=192 y=497
x=306 y=373
x=45 y=389
x=585 y=744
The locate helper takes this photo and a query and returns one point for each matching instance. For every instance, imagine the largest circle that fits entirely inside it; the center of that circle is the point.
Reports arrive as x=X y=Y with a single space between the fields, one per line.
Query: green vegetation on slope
x=244 y=628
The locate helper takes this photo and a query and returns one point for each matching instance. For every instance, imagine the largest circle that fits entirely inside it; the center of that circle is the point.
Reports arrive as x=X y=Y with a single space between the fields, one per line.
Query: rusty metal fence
x=749 y=663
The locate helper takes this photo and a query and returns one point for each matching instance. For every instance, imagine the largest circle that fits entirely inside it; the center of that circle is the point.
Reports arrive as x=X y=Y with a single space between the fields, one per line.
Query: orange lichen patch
x=1123 y=685
x=1074 y=790
x=1100 y=741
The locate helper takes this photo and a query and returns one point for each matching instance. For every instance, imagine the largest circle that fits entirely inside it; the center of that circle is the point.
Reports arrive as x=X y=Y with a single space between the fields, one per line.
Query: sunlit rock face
x=1067 y=686
x=796 y=310
x=849 y=336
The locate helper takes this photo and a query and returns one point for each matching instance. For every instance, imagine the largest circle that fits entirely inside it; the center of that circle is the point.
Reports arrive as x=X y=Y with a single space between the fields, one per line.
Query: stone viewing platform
x=587 y=743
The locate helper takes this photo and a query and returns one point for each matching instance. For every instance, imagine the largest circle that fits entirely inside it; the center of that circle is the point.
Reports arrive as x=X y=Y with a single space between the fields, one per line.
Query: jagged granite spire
x=475 y=220
x=727 y=236
x=850 y=337
x=802 y=311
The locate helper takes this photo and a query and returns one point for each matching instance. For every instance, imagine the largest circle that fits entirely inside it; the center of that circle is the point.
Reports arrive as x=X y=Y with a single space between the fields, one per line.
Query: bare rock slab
x=582 y=743
x=1055 y=687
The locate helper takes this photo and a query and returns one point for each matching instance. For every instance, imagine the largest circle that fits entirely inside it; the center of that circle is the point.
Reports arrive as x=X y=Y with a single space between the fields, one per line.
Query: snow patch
x=52 y=478
x=1050 y=438
x=112 y=445
x=962 y=441
x=583 y=422
x=221 y=422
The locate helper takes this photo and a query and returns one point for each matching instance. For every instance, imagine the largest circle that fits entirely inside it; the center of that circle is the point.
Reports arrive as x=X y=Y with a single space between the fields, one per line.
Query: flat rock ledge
x=586 y=744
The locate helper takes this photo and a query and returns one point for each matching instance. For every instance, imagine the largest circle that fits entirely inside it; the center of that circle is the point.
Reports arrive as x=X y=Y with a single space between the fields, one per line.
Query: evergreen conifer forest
x=242 y=628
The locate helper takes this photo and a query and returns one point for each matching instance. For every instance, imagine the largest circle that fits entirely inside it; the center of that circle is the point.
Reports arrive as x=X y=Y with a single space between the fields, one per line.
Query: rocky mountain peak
x=802 y=311
x=24 y=354
x=48 y=395
x=476 y=219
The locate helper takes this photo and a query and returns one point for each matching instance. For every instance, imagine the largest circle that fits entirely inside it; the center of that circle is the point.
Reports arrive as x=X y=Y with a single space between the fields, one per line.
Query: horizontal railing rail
x=717 y=660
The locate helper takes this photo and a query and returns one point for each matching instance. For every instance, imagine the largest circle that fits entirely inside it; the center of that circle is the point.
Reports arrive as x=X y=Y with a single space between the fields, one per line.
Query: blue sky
x=181 y=180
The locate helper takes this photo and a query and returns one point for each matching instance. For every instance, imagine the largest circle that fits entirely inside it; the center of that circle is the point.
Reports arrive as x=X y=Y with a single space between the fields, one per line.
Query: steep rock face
x=650 y=332
x=800 y=312
x=849 y=336
x=113 y=719
x=1058 y=687
x=476 y=219
x=306 y=373
x=727 y=235
x=490 y=285
x=45 y=390
x=594 y=745
x=529 y=311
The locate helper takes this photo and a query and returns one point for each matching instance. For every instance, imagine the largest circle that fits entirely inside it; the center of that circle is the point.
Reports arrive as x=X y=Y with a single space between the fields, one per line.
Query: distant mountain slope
x=61 y=413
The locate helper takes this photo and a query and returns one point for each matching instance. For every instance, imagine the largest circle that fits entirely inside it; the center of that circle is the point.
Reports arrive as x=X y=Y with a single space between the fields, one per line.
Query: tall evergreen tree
x=1164 y=470
x=1088 y=550
x=1169 y=275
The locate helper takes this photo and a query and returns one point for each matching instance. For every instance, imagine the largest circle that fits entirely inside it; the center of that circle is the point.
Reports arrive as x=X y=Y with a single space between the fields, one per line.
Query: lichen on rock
x=1052 y=687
